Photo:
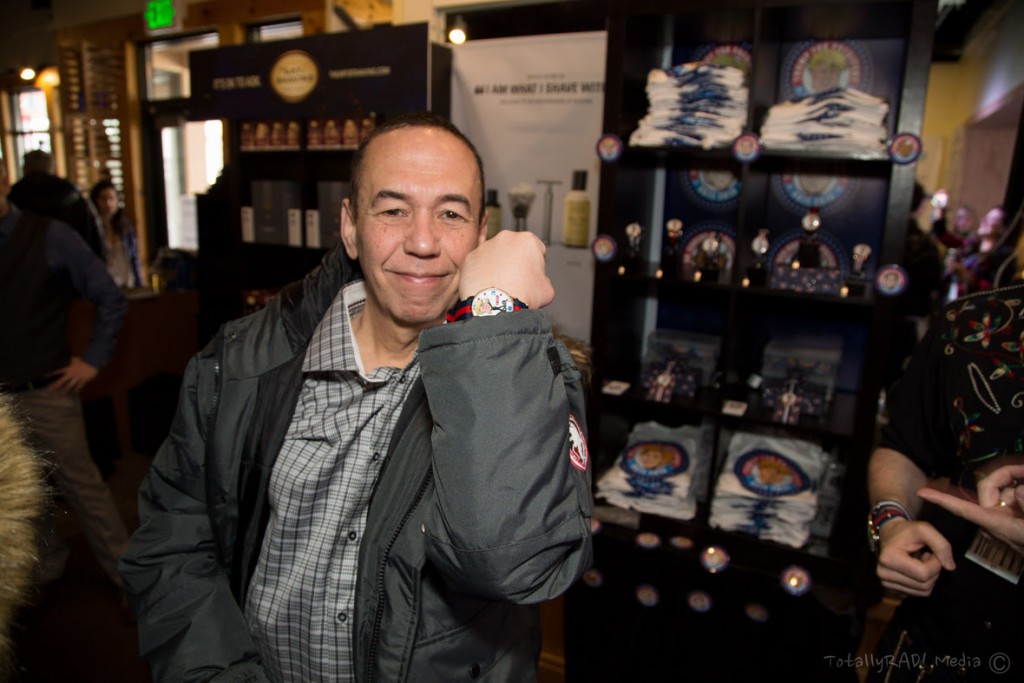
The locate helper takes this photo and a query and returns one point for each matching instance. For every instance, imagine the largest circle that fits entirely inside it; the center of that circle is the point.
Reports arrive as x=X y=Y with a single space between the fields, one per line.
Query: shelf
x=708 y=401
x=647 y=277
x=641 y=155
x=839 y=422
x=270 y=150
x=745 y=552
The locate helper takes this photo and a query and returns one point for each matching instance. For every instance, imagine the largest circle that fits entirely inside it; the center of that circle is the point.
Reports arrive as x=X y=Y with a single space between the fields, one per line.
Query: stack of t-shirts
x=839 y=120
x=658 y=472
x=698 y=105
x=768 y=488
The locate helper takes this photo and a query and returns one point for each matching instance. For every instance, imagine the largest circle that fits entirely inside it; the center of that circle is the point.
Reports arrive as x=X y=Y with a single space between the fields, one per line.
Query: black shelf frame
x=640 y=33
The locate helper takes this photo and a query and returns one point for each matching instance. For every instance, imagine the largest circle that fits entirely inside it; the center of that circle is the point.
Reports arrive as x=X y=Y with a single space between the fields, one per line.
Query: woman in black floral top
x=956 y=415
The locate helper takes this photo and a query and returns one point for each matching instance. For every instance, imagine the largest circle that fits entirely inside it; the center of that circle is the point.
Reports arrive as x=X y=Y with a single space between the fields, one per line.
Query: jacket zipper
x=378 y=615
x=214 y=400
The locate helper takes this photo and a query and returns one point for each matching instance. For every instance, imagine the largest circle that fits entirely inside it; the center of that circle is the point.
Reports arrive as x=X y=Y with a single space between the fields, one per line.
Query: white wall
x=1005 y=68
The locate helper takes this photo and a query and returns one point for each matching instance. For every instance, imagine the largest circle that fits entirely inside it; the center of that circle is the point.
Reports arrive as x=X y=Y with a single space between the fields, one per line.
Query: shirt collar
x=333 y=345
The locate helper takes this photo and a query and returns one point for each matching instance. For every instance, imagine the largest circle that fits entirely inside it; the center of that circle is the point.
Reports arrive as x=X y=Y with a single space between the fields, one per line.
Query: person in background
x=22 y=497
x=965 y=223
x=954 y=428
x=354 y=490
x=923 y=263
x=121 y=243
x=44 y=193
x=976 y=272
x=44 y=265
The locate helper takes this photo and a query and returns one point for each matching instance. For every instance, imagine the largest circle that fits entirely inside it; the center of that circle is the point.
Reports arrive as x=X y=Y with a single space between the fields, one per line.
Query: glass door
x=183 y=158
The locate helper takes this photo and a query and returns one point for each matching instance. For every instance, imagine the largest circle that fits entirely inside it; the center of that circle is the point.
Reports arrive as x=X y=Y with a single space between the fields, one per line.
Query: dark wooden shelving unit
x=639 y=187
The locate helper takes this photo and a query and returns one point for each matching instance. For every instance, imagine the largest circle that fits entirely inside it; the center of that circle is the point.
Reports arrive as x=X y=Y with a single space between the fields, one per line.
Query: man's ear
x=482 y=237
x=348 y=230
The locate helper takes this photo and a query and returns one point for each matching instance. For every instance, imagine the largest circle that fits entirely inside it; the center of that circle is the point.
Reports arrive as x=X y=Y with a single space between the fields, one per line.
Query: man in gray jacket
x=353 y=490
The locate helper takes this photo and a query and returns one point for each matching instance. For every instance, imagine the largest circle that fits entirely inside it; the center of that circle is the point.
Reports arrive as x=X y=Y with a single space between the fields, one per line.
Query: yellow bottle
x=576 y=223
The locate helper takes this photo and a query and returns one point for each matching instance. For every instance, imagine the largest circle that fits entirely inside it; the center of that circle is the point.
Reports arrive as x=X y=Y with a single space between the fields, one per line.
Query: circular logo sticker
x=769 y=474
x=609 y=148
x=904 y=148
x=647 y=595
x=714 y=559
x=891 y=280
x=648 y=541
x=816 y=66
x=756 y=612
x=294 y=75
x=724 y=54
x=747 y=148
x=604 y=248
x=699 y=601
x=714 y=189
x=795 y=580
x=593 y=578
x=578 y=453
x=681 y=542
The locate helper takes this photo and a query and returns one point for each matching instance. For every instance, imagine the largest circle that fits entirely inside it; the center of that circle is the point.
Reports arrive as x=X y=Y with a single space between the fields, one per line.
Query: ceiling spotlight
x=48 y=77
x=457 y=33
x=28 y=73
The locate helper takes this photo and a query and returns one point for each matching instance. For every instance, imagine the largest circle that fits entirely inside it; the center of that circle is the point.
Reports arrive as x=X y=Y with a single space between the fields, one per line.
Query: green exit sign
x=159 y=14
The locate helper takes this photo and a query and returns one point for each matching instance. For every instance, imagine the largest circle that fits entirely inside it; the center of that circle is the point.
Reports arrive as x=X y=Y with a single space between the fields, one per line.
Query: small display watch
x=487 y=302
x=882 y=512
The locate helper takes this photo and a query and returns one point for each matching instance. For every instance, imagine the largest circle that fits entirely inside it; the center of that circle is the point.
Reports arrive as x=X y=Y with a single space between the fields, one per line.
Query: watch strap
x=464 y=309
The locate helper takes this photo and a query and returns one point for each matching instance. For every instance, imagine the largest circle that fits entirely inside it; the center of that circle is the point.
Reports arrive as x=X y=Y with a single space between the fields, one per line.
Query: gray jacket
x=479 y=512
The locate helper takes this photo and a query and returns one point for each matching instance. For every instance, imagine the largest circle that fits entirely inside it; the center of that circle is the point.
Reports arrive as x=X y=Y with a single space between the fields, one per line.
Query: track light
x=48 y=77
x=457 y=33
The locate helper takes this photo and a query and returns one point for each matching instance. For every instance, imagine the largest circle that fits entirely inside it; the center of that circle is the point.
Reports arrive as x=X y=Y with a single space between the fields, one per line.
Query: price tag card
x=995 y=555
x=615 y=387
x=735 y=408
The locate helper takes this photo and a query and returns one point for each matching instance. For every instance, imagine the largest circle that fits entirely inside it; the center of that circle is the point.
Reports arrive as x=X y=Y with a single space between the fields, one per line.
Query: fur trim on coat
x=22 y=496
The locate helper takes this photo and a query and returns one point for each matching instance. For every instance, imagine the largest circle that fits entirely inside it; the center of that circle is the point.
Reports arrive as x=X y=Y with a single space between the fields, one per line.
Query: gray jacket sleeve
x=190 y=626
x=510 y=519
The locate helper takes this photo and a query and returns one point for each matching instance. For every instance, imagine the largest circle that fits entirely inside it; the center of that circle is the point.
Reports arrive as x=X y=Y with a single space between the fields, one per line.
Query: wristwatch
x=487 y=302
x=882 y=512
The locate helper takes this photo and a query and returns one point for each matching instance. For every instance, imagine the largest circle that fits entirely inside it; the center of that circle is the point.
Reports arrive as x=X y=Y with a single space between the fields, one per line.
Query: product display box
x=276 y=213
x=678 y=363
x=803 y=367
x=344 y=132
x=323 y=224
x=277 y=135
x=810 y=280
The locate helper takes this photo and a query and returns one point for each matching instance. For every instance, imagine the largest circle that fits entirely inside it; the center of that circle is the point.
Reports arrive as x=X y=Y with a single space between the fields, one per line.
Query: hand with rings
x=1000 y=506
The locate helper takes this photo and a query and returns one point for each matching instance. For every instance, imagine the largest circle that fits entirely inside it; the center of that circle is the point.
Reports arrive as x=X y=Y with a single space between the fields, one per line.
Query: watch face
x=492 y=302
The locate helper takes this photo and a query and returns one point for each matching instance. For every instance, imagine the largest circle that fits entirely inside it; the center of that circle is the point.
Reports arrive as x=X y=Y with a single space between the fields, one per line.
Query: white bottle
x=576 y=224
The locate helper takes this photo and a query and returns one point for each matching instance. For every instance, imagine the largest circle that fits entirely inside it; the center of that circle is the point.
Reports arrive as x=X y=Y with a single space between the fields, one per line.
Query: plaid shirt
x=300 y=606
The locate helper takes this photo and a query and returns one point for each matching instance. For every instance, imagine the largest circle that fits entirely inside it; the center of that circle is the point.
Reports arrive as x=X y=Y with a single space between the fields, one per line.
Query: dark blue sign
x=385 y=70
